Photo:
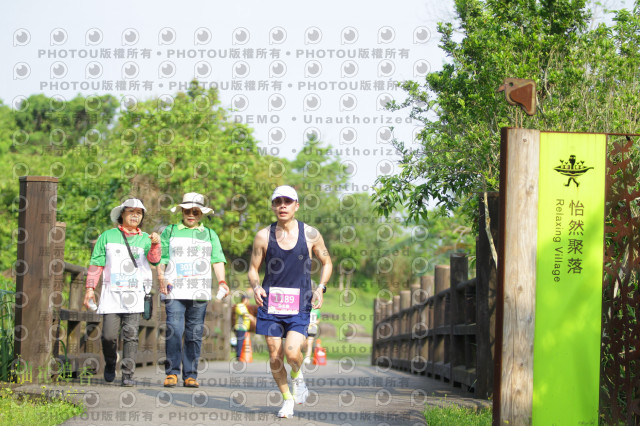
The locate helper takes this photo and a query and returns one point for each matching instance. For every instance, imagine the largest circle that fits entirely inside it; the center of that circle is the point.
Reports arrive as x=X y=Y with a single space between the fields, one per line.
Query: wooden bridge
x=442 y=328
x=66 y=356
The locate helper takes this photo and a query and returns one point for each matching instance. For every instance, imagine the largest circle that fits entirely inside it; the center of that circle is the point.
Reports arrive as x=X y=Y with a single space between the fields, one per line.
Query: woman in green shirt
x=189 y=252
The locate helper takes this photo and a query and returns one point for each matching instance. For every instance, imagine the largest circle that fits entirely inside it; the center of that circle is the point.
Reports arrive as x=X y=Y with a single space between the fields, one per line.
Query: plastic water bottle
x=92 y=305
x=221 y=293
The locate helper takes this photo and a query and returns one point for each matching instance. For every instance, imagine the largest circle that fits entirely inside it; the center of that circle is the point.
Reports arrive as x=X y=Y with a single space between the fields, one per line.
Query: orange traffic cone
x=246 y=355
x=319 y=354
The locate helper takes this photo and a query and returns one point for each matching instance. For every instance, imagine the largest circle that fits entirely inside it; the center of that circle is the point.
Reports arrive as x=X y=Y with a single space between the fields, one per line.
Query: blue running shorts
x=280 y=325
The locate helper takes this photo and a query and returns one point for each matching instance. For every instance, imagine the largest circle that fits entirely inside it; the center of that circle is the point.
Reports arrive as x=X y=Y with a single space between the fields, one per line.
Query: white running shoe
x=300 y=391
x=307 y=360
x=287 y=409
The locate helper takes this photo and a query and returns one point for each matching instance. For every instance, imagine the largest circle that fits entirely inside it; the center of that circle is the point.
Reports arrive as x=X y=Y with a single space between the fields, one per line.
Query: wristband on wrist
x=323 y=287
x=221 y=281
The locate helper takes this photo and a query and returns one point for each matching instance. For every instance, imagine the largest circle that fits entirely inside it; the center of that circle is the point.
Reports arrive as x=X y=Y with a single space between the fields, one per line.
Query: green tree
x=586 y=77
x=57 y=125
x=41 y=137
x=359 y=241
x=155 y=150
x=163 y=148
x=587 y=80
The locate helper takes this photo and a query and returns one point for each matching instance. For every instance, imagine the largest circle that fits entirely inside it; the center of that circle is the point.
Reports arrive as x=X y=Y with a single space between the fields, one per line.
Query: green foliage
x=316 y=170
x=358 y=240
x=587 y=81
x=436 y=238
x=25 y=410
x=7 y=325
x=453 y=415
x=155 y=151
x=158 y=149
x=58 y=125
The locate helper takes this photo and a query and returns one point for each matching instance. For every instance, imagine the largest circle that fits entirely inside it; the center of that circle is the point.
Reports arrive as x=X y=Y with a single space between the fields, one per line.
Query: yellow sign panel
x=566 y=366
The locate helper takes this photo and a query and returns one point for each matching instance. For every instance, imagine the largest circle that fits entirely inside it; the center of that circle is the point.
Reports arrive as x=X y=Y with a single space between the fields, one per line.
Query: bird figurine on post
x=520 y=91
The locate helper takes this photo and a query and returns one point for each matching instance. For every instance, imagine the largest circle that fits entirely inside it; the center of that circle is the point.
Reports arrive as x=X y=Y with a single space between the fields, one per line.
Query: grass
x=7 y=301
x=344 y=308
x=21 y=410
x=454 y=415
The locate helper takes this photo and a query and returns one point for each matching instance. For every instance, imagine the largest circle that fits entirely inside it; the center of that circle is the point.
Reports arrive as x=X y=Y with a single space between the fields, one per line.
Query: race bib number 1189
x=284 y=301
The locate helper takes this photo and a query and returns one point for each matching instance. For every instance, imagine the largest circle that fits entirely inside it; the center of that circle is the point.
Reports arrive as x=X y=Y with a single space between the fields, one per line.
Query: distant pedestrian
x=243 y=323
x=189 y=251
x=122 y=255
x=312 y=332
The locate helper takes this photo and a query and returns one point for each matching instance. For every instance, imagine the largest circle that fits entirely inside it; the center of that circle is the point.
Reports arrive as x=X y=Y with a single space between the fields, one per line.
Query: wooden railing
x=431 y=328
x=444 y=326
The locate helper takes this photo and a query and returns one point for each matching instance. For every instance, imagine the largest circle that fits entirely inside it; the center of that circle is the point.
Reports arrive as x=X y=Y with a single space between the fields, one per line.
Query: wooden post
x=459 y=273
x=442 y=280
x=34 y=277
x=427 y=285
x=405 y=303
x=416 y=341
x=376 y=318
x=405 y=324
x=396 y=330
x=486 y=288
x=57 y=263
x=519 y=170
x=405 y=299
x=428 y=351
x=441 y=340
x=415 y=294
x=415 y=319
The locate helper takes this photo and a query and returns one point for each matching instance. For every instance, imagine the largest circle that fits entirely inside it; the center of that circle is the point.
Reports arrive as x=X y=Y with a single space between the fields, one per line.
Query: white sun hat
x=285 y=191
x=190 y=200
x=131 y=202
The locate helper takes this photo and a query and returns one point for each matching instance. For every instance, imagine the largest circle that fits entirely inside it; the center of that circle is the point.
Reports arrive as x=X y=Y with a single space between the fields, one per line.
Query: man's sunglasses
x=281 y=200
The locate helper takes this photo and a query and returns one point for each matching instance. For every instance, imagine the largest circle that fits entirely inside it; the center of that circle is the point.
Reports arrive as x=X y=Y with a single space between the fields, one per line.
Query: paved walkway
x=245 y=394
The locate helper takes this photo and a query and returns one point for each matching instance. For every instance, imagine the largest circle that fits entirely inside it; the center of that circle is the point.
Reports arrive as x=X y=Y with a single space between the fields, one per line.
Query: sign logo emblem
x=572 y=168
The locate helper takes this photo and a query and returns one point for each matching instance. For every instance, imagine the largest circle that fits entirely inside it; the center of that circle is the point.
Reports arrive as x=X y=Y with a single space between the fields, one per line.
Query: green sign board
x=566 y=348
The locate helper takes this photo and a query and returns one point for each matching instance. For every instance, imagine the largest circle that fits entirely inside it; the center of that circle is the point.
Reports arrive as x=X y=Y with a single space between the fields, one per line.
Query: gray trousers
x=111 y=324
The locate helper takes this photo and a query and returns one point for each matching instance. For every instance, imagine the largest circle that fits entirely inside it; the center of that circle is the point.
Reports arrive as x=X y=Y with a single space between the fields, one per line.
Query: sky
x=286 y=68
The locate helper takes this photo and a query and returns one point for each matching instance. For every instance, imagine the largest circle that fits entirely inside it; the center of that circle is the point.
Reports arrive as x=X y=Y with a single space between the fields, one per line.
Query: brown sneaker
x=171 y=381
x=190 y=382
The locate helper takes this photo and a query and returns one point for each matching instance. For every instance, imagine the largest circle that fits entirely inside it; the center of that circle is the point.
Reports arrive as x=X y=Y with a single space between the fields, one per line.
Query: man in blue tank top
x=285 y=298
